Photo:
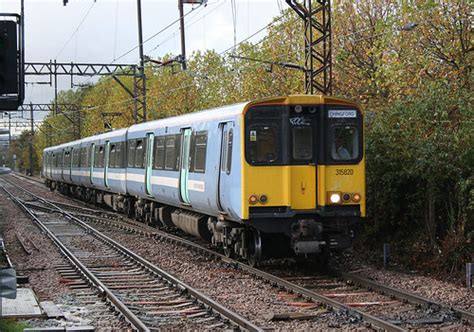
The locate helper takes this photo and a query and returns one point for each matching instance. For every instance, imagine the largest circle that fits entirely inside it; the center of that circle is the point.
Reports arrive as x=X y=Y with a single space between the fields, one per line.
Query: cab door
x=149 y=163
x=225 y=166
x=184 y=164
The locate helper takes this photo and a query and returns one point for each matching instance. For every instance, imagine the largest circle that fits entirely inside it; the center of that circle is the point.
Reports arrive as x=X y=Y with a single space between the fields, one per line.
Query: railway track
x=379 y=305
x=145 y=295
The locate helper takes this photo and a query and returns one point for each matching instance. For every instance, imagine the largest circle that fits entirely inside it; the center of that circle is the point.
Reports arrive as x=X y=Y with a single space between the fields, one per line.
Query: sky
x=103 y=31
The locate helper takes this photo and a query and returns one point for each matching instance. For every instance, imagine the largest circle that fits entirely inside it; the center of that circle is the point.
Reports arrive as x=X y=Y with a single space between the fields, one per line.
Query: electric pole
x=140 y=86
x=183 y=39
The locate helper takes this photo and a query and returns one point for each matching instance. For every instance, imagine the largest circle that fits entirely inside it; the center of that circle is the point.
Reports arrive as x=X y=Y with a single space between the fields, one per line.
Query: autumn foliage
x=408 y=63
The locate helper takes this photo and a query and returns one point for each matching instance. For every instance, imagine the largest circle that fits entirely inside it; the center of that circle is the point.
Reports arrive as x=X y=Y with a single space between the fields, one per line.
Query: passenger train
x=273 y=177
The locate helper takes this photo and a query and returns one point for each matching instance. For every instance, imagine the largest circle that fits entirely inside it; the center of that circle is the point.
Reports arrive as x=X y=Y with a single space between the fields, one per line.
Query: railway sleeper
x=233 y=238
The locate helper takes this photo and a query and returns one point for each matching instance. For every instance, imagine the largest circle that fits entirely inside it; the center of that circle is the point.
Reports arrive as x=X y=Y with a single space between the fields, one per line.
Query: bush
x=420 y=181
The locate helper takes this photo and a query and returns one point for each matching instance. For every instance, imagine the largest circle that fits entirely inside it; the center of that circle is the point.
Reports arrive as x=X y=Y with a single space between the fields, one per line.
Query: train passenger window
x=120 y=155
x=302 y=142
x=131 y=153
x=170 y=152
x=229 y=151
x=66 y=159
x=263 y=144
x=112 y=156
x=85 y=157
x=139 y=153
x=344 y=142
x=76 y=157
x=101 y=156
x=159 y=153
x=200 y=147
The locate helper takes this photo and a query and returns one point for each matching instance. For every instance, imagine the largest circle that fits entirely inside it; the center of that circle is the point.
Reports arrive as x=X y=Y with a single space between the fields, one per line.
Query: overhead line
x=77 y=29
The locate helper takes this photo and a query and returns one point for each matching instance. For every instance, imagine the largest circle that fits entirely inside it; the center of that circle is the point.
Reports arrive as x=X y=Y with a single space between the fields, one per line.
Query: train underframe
x=305 y=235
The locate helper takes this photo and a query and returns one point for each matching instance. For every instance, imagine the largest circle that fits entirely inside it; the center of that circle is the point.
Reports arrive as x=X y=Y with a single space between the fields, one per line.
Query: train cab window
x=263 y=144
x=200 y=147
x=131 y=153
x=112 y=155
x=170 y=152
x=344 y=142
x=139 y=153
x=302 y=143
x=159 y=153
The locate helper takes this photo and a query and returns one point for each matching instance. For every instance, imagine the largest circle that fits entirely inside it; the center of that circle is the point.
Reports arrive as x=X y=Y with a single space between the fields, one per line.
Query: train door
x=71 y=159
x=63 y=155
x=184 y=167
x=225 y=166
x=50 y=165
x=106 y=163
x=149 y=163
x=91 y=162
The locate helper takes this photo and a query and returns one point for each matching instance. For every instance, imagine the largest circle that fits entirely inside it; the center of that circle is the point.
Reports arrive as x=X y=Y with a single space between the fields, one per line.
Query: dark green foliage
x=420 y=180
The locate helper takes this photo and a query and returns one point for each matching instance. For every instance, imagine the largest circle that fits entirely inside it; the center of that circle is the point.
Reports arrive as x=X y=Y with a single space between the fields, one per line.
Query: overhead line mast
x=316 y=16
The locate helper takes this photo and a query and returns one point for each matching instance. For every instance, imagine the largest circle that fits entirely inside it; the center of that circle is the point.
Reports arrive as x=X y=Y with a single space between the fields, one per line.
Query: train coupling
x=306 y=237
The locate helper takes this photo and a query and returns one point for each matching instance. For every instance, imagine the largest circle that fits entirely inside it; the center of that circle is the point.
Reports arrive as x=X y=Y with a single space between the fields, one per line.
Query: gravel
x=447 y=292
x=43 y=278
x=257 y=300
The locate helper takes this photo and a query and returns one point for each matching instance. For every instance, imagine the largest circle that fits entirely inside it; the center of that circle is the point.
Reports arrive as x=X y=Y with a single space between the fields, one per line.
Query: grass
x=10 y=325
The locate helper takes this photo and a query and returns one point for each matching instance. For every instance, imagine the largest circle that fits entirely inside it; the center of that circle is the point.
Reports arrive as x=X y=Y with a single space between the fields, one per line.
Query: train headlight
x=263 y=199
x=253 y=199
x=334 y=197
x=346 y=197
x=356 y=198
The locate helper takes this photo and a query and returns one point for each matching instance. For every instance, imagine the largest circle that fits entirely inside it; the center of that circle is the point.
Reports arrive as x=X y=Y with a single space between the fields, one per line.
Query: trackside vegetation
x=415 y=86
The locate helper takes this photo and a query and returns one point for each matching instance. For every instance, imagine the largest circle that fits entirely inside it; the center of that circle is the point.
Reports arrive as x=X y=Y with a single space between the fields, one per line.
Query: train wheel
x=255 y=249
x=228 y=252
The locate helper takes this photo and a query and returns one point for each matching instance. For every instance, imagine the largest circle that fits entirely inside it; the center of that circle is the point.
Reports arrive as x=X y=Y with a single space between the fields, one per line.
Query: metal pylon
x=317 y=39
x=139 y=91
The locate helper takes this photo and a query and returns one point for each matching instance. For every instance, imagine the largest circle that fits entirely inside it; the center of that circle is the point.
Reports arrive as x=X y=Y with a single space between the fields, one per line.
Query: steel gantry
x=72 y=112
x=53 y=69
x=317 y=39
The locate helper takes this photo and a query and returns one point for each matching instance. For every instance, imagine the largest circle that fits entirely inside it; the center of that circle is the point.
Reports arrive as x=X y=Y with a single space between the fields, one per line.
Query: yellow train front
x=303 y=178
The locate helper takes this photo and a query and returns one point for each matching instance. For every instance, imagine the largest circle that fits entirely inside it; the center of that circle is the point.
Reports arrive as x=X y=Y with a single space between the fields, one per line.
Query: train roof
x=218 y=113
x=109 y=134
